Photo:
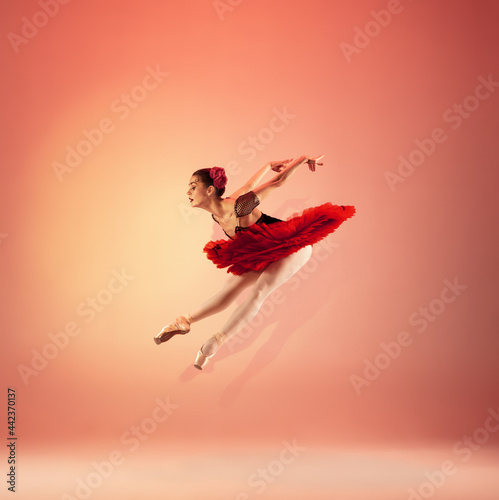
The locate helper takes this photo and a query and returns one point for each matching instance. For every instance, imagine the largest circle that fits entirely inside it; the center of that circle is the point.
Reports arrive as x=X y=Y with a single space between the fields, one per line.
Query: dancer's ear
x=210 y=190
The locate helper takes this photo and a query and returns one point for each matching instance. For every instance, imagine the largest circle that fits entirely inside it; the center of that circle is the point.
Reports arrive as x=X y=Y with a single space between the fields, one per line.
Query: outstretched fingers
x=313 y=162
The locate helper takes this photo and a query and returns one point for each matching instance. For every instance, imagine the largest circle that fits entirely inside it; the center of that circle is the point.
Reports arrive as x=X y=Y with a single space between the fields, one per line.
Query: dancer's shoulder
x=246 y=203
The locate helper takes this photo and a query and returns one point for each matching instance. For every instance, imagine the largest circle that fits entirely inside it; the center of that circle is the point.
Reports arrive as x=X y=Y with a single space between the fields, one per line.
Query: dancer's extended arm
x=278 y=180
x=254 y=181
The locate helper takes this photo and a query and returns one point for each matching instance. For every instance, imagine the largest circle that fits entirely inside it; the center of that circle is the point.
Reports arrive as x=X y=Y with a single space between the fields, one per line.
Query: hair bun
x=219 y=177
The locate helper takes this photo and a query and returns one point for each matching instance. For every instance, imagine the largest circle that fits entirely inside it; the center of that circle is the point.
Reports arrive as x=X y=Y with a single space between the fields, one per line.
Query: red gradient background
x=223 y=75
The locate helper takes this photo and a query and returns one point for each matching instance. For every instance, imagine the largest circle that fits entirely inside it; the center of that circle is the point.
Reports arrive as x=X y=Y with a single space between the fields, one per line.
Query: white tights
x=263 y=284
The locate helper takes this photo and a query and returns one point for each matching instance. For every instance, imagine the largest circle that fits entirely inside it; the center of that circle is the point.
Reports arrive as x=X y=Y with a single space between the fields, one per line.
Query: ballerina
x=262 y=252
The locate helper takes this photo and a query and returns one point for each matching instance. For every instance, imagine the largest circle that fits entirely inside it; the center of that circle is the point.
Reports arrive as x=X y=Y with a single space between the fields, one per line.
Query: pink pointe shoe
x=180 y=326
x=201 y=358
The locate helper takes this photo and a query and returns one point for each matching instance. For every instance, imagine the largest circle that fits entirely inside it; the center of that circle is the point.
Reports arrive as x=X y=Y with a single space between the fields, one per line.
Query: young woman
x=262 y=252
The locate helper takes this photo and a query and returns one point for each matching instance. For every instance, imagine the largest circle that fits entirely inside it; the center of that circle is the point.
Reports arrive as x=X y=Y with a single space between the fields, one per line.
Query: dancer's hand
x=313 y=162
x=278 y=166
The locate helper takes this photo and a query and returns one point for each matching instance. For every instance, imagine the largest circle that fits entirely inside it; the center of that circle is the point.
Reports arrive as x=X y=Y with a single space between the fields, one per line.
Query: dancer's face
x=197 y=192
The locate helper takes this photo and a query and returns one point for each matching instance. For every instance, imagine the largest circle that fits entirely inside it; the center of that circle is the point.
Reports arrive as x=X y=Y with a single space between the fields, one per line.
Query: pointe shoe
x=201 y=358
x=180 y=326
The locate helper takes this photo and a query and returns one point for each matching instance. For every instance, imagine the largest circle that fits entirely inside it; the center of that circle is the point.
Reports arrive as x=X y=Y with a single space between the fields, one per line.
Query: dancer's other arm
x=278 y=180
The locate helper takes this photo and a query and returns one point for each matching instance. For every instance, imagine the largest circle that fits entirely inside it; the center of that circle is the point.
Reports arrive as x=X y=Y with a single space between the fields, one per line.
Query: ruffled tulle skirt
x=261 y=244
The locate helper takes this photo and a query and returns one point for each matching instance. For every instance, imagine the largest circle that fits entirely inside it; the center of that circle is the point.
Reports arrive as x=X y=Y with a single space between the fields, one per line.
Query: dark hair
x=207 y=180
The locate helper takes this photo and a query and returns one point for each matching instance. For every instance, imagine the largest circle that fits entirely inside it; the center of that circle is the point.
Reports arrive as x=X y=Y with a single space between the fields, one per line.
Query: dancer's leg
x=232 y=288
x=270 y=279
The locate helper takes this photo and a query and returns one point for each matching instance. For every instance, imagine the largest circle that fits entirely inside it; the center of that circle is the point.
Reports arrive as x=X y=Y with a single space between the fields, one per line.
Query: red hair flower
x=219 y=177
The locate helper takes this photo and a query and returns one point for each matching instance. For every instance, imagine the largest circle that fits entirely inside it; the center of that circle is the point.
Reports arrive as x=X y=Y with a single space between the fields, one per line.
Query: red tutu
x=261 y=244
